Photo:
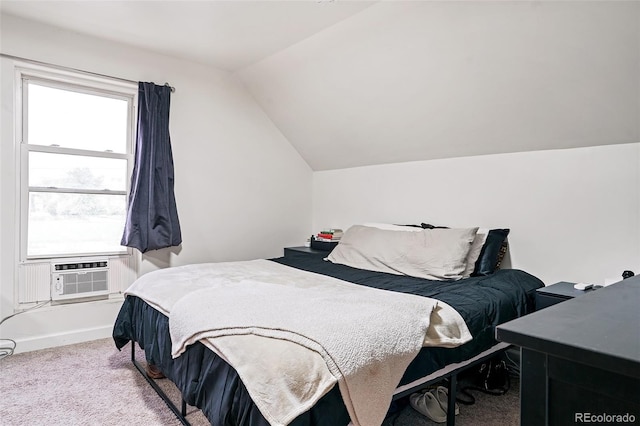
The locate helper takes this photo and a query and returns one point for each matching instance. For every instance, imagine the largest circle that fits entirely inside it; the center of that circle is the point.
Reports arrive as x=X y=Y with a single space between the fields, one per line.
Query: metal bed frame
x=448 y=373
x=180 y=414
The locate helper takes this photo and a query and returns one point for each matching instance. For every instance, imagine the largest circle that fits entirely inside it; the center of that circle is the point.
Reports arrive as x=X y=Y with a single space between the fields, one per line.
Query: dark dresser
x=581 y=358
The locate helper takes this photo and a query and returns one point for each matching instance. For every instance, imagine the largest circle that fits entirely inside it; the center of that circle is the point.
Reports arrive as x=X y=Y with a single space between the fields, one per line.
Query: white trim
x=40 y=258
x=53 y=72
x=61 y=339
x=78 y=335
x=48 y=66
x=74 y=151
x=71 y=86
x=22 y=201
x=75 y=190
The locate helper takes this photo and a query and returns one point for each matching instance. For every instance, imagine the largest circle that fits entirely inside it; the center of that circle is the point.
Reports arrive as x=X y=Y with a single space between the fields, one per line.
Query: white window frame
x=81 y=83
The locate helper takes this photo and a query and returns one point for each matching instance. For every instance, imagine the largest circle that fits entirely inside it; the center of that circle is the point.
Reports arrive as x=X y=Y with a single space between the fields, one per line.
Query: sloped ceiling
x=403 y=81
x=360 y=83
x=225 y=34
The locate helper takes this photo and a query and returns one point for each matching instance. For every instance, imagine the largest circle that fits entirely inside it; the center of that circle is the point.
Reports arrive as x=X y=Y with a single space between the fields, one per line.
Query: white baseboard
x=62 y=339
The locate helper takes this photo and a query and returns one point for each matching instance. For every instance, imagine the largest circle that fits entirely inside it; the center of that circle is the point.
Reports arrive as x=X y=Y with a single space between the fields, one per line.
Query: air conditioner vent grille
x=85 y=283
x=80 y=265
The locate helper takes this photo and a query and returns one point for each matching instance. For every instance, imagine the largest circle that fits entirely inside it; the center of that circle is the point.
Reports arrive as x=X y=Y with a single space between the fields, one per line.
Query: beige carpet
x=95 y=384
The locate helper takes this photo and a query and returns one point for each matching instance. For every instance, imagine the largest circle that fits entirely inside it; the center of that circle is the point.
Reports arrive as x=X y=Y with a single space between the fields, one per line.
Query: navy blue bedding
x=211 y=384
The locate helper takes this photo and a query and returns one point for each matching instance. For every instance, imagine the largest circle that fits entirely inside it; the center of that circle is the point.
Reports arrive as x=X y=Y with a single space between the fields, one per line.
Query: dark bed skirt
x=205 y=380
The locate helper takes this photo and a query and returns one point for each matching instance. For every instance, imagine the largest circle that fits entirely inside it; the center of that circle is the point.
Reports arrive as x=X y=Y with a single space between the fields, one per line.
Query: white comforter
x=291 y=334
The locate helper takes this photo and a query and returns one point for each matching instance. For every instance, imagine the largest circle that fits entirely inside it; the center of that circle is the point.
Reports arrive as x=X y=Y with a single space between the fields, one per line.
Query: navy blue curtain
x=152 y=215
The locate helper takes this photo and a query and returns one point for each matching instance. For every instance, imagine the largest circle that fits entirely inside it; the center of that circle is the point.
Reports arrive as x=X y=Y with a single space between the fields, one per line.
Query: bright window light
x=77 y=171
x=78 y=161
x=75 y=224
x=71 y=119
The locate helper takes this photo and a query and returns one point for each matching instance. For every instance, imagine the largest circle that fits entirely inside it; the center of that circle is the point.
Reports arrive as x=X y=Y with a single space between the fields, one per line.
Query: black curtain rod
x=4 y=55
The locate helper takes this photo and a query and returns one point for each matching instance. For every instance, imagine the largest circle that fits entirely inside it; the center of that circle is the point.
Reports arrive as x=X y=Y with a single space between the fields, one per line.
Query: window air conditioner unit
x=79 y=278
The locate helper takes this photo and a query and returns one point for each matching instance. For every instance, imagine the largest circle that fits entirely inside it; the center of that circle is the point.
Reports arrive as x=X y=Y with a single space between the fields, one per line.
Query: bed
x=206 y=380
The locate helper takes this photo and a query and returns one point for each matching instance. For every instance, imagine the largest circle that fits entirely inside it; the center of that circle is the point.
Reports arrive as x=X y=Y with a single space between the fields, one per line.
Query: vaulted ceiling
x=353 y=83
x=225 y=34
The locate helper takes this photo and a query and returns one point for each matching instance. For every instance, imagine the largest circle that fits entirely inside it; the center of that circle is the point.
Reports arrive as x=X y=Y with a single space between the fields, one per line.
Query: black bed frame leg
x=451 y=400
x=180 y=414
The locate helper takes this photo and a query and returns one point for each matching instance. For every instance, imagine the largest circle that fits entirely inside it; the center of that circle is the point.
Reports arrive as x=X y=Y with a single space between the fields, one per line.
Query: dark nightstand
x=288 y=251
x=556 y=293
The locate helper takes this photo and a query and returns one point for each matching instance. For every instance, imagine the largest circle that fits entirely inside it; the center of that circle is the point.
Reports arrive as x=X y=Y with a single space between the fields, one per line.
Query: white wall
x=574 y=214
x=242 y=191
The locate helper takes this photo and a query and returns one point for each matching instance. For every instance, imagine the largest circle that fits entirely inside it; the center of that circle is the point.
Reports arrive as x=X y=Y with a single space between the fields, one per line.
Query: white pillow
x=472 y=256
x=435 y=254
x=474 y=251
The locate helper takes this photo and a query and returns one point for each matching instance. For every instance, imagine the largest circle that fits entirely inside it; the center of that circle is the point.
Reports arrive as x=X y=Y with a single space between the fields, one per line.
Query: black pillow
x=492 y=252
x=425 y=226
x=430 y=226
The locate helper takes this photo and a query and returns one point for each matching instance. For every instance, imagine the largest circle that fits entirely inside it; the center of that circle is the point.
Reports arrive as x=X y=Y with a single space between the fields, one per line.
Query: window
x=75 y=162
